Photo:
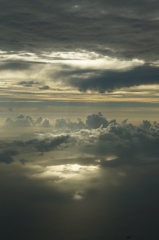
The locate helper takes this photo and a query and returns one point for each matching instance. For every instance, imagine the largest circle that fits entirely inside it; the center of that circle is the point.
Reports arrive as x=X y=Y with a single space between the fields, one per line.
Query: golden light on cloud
x=66 y=171
x=71 y=178
x=45 y=76
x=79 y=58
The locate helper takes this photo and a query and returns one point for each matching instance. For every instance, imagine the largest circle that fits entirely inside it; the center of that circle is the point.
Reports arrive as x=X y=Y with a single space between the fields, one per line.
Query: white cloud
x=81 y=59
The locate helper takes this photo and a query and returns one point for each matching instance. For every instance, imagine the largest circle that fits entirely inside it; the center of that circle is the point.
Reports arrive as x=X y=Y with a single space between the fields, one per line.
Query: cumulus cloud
x=92 y=121
x=67 y=123
x=96 y=120
x=26 y=121
x=19 y=121
x=109 y=143
x=123 y=143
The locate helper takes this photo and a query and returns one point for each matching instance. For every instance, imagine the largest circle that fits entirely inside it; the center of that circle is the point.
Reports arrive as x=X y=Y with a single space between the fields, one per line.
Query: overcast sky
x=79 y=131
x=103 y=51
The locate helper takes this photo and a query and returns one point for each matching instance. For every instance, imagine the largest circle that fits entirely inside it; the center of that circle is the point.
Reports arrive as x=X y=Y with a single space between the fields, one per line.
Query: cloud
x=46 y=87
x=111 y=80
x=19 y=121
x=13 y=65
x=28 y=83
x=123 y=144
x=92 y=121
x=93 y=170
x=129 y=30
x=112 y=143
x=66 y=123
x=6 y=156
x=96 y=120
x=37 y=145
x=45 y=145
x=22 y=121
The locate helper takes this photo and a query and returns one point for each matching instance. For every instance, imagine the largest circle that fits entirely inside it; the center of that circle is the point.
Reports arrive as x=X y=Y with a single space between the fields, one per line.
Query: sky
x=79 y=109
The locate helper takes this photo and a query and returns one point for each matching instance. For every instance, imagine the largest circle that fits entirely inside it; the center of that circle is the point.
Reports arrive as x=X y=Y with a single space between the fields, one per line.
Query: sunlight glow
x=66 y=171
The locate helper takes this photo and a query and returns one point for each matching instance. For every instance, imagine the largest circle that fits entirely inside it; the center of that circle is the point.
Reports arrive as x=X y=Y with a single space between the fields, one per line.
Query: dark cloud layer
x=110 y=80
x=130 y=28
x=13 y=65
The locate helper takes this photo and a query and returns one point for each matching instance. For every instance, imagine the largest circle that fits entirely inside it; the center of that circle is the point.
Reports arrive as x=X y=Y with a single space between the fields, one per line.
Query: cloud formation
x=93 y=172
x=86 y=179
x=113 y=144
x=128 y=29
x=112 y=80
x=6 y=156
x=26 y=121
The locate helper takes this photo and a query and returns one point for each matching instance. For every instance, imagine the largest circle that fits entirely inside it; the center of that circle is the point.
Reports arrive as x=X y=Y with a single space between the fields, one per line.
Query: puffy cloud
x=96 y=120
x=66 y=123
x=131 y=145
x=92 y=121
x=19 y=121
x=26 y=121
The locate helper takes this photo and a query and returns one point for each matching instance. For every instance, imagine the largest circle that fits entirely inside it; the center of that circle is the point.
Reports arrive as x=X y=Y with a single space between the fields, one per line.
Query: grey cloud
x=132 y=145
x=67 y=123
x=45 y=87
x=130 y=28
x=45 y=123
x=128 y=144
x=45 y=145
x=19 y=121
x=22 y=121
x=96 y=120
x=28 y=83
x=93 y=121
x=16 y=66
x=6 y=156
x=32 y=146
x=110 y=80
